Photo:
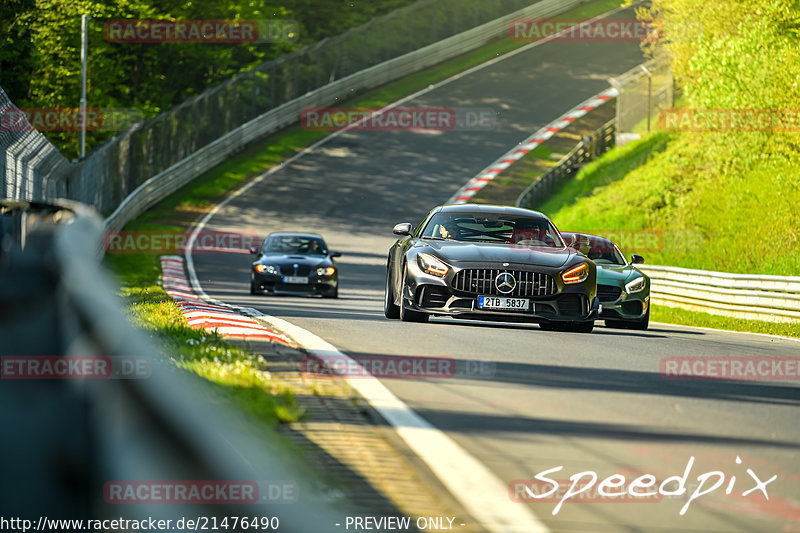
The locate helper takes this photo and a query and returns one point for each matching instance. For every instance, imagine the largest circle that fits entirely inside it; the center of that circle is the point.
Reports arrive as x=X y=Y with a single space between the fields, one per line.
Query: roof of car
x=591 y=237
x=489 y=209
x=292 y=234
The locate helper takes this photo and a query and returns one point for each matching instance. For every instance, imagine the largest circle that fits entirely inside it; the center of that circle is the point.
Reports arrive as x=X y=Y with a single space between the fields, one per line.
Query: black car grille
x=481 y=281
x=289 y=270
x=608 y=293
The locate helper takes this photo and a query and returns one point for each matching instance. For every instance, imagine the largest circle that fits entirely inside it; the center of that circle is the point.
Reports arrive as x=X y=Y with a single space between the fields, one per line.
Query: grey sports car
x=490 y=263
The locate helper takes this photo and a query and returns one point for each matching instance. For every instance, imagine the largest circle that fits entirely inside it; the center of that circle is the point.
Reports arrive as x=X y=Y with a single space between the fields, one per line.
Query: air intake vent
x=608 y=293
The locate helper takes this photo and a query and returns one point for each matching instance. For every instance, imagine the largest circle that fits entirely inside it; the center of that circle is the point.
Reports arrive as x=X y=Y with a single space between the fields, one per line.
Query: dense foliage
x=40 y=50
x=725 y=200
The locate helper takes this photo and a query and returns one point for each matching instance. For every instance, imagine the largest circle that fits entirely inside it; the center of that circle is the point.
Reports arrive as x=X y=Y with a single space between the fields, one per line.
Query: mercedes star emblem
x=505 y=282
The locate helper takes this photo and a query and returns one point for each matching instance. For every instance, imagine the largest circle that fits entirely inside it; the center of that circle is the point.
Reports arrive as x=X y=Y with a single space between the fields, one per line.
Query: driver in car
x=447 y=230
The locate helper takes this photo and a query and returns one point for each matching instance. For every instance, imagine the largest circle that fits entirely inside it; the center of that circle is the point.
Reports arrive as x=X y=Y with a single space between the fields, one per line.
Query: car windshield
x=601 y=251
x=295 y=244
x=518 y=230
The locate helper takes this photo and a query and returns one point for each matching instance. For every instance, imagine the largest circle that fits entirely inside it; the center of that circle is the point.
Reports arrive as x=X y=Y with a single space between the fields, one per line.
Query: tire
x=331 y=294
x=581 y=327
x=409 y=315
x=618 y=324
x=390 y=309
x=253 y=289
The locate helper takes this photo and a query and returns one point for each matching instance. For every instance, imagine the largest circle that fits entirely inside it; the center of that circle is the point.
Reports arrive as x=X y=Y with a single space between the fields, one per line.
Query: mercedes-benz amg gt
x=623 y=289
x=491 y=263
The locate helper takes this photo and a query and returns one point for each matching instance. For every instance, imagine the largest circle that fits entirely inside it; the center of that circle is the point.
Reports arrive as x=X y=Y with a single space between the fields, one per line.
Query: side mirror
x=335 y=254
x=254 y=249
x=402 y=229
x=571 y=240
x=637 y=259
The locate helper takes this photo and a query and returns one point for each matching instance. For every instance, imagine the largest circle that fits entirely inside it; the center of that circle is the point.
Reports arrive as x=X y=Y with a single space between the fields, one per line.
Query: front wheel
x=333 y=293
x=409 y=315
x=390 y=309
x=253 y=289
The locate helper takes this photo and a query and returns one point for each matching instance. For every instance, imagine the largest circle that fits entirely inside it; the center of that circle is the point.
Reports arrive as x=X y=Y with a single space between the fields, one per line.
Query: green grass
x=741 y=218
x=672 y=315
x=233 y=373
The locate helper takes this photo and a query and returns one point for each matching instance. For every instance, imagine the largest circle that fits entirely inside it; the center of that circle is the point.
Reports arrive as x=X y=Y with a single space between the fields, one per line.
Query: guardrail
x=747 y=296
x=597 y=143
x=179 y=174
x=66 y=438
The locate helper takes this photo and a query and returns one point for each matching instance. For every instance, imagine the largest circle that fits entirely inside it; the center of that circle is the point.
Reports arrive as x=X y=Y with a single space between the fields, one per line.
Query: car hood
x=283 y=259
x=460 y=252
x=615 y=274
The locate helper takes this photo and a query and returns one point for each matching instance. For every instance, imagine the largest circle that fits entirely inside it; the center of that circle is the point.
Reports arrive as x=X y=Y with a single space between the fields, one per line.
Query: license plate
x=500 y=302
x=295 y=280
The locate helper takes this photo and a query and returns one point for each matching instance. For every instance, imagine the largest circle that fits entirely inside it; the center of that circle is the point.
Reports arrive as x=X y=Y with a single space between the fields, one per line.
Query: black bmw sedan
x=490 y=263
x=294 y=263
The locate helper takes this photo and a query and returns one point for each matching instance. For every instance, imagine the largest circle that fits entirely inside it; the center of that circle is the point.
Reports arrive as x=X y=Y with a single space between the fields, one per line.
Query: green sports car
x=623 y=289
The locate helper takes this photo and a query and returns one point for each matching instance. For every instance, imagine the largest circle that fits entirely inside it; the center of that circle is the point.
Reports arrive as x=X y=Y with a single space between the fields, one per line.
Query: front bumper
x=273 y=283
x=437 y=296
x=630 y=307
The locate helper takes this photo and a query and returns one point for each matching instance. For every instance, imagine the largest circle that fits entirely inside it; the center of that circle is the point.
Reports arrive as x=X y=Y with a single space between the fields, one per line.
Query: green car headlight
x=431 y=265
x=635 y=285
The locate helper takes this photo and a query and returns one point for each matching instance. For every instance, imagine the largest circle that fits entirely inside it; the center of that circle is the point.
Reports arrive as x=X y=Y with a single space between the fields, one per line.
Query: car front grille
x=289 y=270
x=608 y=293
x=481 y=281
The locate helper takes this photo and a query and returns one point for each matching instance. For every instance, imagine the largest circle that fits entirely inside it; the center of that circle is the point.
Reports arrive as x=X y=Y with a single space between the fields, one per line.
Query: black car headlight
x=635 y=285
x=576 y=274
x=326 y=271
x=431 y=265
x=261 y=269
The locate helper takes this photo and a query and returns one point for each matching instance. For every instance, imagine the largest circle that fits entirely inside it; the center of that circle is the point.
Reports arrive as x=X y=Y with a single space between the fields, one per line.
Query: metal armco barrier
x=142 y=165
x=181 y=173
x=753 y=297
x=599 y=142
x=64 y=439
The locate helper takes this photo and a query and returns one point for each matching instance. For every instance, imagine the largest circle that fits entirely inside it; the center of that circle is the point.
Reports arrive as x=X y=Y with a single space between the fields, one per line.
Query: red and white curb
x=489 y=173
x=200 y=314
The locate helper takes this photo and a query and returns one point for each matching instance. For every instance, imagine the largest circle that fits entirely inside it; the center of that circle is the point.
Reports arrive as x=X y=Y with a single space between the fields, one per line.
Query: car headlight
x=635 y=285
x=431 y=265
x=576 y=274
x=269 y=269
x=326 y=271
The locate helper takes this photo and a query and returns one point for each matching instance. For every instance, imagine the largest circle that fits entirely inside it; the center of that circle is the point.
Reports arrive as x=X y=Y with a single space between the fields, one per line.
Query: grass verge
x=673 y=315
x=233 y=373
